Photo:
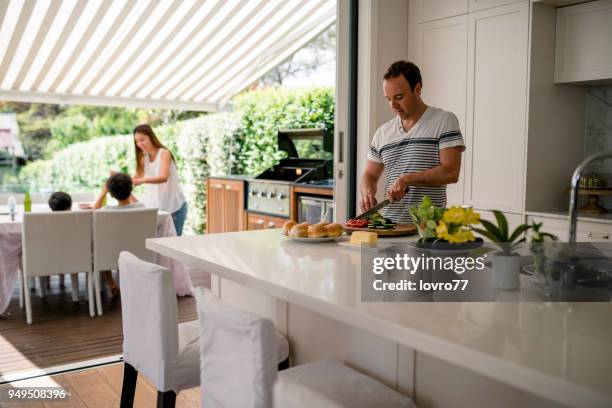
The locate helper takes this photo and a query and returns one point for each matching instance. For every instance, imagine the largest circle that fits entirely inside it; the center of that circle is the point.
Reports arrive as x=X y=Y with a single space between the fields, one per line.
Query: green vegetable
x=426 y=216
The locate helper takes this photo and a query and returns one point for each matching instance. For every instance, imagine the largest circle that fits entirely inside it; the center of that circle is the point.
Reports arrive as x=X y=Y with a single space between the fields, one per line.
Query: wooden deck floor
x=63 y=332
x=97 y=388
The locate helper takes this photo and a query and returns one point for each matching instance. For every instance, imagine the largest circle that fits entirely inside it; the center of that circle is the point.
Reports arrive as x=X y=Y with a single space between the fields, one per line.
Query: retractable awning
x=175 y=54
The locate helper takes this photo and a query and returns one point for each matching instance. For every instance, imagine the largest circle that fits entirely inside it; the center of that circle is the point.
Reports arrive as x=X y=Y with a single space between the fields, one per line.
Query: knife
x=372 y=210
x=377 y=207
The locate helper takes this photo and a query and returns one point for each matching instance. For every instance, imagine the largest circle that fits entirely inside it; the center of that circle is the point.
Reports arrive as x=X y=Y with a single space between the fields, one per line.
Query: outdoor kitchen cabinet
x=225 y=205
x=259 y=221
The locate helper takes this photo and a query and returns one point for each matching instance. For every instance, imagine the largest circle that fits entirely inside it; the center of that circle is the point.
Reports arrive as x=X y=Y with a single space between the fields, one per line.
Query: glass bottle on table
x=27 y=202
x=12 y=206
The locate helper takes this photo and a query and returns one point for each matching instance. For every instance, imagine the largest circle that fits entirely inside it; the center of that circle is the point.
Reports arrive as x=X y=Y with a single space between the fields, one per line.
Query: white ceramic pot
x=506 y=271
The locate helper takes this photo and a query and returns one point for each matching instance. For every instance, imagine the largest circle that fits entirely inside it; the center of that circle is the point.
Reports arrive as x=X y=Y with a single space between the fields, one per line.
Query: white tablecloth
x=10 y=253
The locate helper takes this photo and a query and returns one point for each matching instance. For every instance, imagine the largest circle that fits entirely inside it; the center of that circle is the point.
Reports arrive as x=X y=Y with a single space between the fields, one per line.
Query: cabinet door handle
x=260 y=222
x=218 y=186
x=592 y=234
x=271 y=224
x=228 y=187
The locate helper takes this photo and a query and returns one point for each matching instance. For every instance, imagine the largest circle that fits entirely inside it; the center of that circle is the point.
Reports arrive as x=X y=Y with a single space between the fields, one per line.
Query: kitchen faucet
x=573 y=207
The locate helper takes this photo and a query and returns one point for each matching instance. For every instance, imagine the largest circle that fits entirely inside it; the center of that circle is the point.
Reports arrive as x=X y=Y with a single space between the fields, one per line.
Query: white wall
x=383 y=39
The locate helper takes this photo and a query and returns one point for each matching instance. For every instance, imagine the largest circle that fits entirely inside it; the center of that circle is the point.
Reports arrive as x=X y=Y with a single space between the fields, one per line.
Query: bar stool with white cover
x=154 y=344
x=237 y=371
x=55 y=243
x=115 y=231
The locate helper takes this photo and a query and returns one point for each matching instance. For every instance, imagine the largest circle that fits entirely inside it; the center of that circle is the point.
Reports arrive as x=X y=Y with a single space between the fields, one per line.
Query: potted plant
x=506 y=262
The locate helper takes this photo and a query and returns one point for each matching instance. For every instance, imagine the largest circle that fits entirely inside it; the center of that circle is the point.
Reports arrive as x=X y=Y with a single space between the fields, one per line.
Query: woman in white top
x=155 y=167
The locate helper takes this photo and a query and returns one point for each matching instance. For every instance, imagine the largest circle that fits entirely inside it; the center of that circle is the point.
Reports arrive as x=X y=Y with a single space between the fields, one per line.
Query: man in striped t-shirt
x=419 y=151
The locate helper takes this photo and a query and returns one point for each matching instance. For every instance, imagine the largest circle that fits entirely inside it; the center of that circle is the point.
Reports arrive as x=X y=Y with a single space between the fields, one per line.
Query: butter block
x=363 y=237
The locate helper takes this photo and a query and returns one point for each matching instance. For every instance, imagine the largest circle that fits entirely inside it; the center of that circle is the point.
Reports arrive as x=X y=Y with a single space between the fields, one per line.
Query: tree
x=306 y=61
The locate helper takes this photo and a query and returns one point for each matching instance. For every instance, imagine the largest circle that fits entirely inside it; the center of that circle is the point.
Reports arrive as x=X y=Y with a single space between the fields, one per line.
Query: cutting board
x=400 y=229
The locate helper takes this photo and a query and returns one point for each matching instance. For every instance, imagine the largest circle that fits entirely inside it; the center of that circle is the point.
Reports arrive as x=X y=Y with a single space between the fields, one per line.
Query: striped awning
x=175 y=54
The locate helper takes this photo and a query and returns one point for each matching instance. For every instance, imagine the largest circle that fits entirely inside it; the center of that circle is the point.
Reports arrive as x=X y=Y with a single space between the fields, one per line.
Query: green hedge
x=239 y=142
x=264 y=112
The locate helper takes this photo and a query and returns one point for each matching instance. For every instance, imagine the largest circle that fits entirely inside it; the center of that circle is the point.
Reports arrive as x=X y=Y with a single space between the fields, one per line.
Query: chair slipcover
x=237 y=349
x=55 y=243
x=331 y=384
x=238 y=355
x=116 y=231
x=153 y=343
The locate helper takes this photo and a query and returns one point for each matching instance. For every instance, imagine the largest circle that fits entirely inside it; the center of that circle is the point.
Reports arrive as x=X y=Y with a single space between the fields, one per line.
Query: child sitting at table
x=120 y=186
x=60 y=201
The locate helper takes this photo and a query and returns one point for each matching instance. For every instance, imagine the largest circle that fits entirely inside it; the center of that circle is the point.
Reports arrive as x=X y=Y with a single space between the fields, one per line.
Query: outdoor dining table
x=10 y=251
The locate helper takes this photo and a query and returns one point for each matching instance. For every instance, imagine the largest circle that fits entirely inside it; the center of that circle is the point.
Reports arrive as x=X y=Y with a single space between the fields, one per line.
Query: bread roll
x=317 y=231
x=334 y=230
x=287 y=226
x=299 y=230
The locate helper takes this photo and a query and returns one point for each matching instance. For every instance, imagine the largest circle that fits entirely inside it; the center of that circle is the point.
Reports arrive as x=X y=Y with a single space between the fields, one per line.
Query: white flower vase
x=506 y=269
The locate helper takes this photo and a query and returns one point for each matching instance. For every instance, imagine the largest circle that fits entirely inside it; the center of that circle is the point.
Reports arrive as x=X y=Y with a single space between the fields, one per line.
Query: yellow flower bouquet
x=453 y=230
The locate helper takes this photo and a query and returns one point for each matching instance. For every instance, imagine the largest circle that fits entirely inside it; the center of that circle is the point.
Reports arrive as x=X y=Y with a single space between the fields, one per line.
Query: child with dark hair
x=60 y=201
x=119 y=185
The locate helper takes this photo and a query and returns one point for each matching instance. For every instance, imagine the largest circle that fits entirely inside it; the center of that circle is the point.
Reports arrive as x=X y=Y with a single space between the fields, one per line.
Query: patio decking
x=63 y=332
x=100 y=387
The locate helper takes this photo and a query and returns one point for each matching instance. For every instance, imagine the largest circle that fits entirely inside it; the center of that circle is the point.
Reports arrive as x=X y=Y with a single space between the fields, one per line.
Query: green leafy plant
x=507 y=241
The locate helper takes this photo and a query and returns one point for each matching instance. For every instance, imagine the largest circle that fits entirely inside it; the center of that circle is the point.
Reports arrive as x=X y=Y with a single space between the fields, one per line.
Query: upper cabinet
x=475 y=5
x=497 y=107
x=429 y=10
x=583 y=49
x=440 y=50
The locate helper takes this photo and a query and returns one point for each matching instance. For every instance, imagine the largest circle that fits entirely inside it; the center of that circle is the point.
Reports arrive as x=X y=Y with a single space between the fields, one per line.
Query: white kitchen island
x=441 y=354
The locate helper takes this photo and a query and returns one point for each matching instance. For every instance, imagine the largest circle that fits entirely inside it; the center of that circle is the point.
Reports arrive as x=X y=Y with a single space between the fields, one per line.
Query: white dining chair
x=55 y=243
x=115 y=231
x=154 y=344
x=237 y=369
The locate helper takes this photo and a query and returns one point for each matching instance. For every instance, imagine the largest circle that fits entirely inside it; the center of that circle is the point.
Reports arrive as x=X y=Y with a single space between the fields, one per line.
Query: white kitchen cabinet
x=497 y=107
x=429 y=10
x=441 y=53
x=583 y=51
x=585 y=231
x=476 y=5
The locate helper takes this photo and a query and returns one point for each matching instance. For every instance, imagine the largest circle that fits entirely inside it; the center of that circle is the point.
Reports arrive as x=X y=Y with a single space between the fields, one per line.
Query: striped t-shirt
x=417 y=150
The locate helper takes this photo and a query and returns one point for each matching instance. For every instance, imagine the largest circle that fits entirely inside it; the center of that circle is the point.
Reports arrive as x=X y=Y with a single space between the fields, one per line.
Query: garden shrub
x=238 y=142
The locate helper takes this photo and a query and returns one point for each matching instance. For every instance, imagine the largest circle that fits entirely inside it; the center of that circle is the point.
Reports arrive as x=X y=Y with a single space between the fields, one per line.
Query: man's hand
x=368 y=198
x=398 y=189
x=368 y=185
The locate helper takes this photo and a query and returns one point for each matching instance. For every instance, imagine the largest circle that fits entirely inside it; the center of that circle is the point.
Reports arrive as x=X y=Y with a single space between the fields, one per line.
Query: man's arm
x=446 y=173
x=367 y=187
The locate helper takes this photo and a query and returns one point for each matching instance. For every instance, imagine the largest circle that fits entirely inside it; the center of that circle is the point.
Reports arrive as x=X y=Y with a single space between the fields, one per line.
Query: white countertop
x=560 y=351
